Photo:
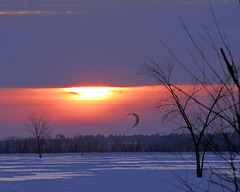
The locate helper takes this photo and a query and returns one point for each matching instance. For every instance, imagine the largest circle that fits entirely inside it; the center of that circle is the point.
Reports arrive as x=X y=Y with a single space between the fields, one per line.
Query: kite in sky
x=136 y=117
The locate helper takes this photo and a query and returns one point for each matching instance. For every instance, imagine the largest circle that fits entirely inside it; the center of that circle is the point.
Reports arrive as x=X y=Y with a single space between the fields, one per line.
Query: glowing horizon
x=85 y=110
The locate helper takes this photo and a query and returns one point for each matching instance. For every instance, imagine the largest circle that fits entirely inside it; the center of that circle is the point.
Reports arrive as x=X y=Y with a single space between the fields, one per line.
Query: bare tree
x=193 y=114
x=222 y=110
x=40 y=127
x=234 y=91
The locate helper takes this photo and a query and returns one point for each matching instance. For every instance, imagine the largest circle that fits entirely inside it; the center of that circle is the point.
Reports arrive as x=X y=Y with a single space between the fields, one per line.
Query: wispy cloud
x=206 y=2
x=190 y=2
x=73 y=93
x=39 y=12
x=213 y=31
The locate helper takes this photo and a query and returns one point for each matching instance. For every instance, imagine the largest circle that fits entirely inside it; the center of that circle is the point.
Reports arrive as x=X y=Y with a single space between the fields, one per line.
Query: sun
x=91 y=93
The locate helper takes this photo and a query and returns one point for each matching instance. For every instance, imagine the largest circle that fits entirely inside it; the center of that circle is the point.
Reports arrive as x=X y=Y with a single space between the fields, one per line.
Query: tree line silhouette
x=118 y=143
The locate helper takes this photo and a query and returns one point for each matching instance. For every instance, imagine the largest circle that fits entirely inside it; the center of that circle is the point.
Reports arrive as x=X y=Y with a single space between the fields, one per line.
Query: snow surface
x=103 y=172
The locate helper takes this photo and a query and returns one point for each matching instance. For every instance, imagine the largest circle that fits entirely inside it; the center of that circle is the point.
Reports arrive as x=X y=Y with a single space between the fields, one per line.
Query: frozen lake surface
x=103 y=172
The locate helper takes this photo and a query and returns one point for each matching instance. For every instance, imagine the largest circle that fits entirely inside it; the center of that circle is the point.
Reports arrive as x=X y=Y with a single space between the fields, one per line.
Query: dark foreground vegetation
x=136 y=143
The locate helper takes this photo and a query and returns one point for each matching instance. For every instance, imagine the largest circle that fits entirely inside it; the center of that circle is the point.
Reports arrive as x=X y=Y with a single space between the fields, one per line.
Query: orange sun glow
x=90 y=93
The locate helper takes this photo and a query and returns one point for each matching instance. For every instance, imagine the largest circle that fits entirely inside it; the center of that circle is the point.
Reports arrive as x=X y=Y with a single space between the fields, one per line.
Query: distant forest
x=100 y=143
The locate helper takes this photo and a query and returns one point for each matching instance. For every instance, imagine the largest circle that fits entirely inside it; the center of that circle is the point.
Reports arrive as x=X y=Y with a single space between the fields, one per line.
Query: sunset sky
x=48 y=47
x=82 y=110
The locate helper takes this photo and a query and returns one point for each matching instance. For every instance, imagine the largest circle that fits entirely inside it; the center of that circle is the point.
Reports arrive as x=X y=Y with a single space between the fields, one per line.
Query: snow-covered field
x=102 y=172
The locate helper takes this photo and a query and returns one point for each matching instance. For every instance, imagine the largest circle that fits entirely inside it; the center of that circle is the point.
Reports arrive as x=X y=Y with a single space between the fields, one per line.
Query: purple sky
x=67 y=43
x=49 y=43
